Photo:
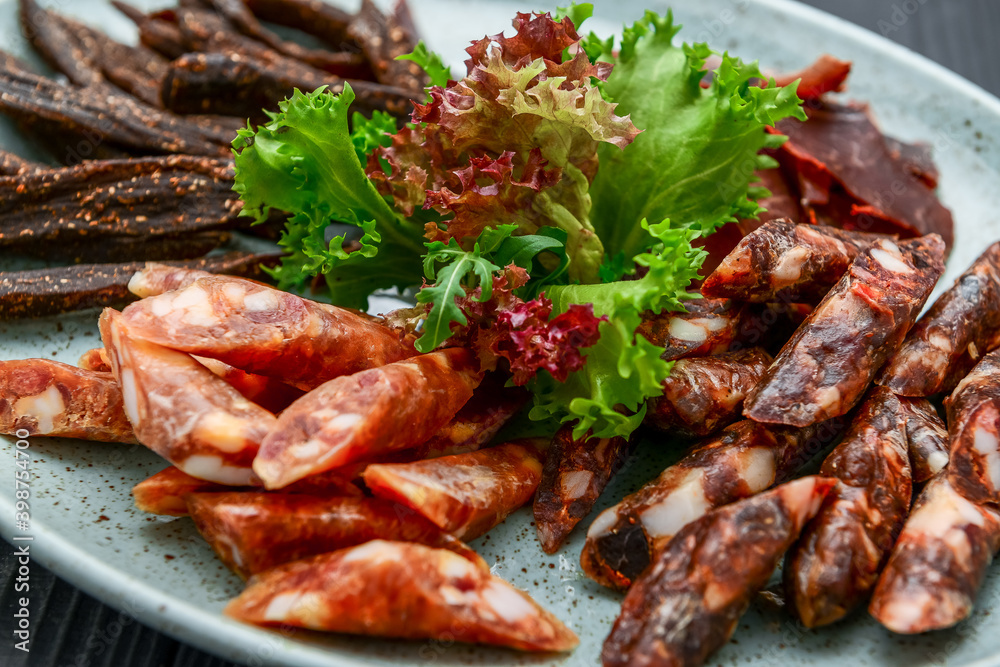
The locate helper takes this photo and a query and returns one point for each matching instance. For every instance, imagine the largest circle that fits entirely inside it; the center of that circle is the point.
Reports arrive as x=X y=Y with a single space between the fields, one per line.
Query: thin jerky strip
x=944 y=344
x=46 y=397
x=399 y=589
x=705 y=394
x=13 y=165
x=465 y=494
x=927 y=438
x=183 y=412
x=52 y=40
x=710 y=326
x=41 y=292
x=688 y=604
x=122 y=249
x=974 y=432
x=313 y=17
x=938 y=563
x=383 y=39
x=824 y=370
x=784 y=262
x=575 y=474
x=267 y=331
x=742 y=461
x=835 y=564
x=375 y=411
x=162 y=36
x=254 y=532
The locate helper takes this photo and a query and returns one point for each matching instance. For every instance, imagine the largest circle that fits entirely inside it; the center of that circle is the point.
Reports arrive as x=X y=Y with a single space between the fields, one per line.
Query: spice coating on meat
x=465 y=494
x=927 y=438
x=359 y=416
x=938 y=563
x=396 y=589
x=708 y=327
x=705 y=394
x=974 y=432
x=46 y=397
x=575 y=474
x=824 y=370
x=687 y=605
x=785 y=262
x=836 y=563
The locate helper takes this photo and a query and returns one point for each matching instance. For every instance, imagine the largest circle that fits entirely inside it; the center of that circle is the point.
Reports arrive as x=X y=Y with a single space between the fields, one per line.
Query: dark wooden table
x=71 y=629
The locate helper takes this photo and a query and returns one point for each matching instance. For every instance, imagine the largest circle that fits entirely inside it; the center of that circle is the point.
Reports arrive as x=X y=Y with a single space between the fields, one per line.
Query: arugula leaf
x=430 y=62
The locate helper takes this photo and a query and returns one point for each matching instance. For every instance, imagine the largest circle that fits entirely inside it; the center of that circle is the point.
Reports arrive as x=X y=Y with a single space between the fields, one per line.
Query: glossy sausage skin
x=705 y=394
x=95 y=360
x=836 y=562
x=824 y=370
x=961 y=326
x=265 y=331
x=398 y=589
x=974 y=432
x=927 y=438
x=938 y=563
x=267 y=392
x=465 y=494
x=784 y=262
x=688 y=603
x=575 y=474
x=252 y=532
x=710 y=326
x=360 y=416
x=46 y=397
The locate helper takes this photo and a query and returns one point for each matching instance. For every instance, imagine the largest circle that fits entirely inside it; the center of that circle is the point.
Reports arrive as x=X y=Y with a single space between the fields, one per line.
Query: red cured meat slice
x=710 y=326
x=974 y=432
x=826 y=75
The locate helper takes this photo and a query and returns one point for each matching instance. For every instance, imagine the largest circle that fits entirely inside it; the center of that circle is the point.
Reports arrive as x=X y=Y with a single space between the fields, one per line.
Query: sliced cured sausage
x=824 y=370
x=360 y=416
x=974 y=432
x=46 y=397
x=405 y=590
x=465 y=494
x=927 y=438
x=708 y=327
x=961 y=326
x=267 y=392
x=95 y=360
x=688 y=603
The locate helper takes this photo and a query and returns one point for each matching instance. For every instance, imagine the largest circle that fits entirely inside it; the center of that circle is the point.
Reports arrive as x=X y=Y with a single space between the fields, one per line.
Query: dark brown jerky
x=46 y=397
x=42 y=292
x=961 y=326
x=313 y=17
x=161 y=35
x=916 y=159
x=784 y=262
x=826 y=75
x=835 y=564
x=705 y=394
x=687 y=605
x=742 y=461
x=974 y=432
x=938 y=563
x=575 y=474
x=927 y=438
x=825 y=369
x=97 y=250
x=384 y=38
x=51 y=38
x=12 y=165
x=708 y=327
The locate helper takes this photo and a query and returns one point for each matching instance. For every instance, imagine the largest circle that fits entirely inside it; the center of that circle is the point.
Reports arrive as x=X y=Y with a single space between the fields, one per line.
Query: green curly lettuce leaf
x=430 y=62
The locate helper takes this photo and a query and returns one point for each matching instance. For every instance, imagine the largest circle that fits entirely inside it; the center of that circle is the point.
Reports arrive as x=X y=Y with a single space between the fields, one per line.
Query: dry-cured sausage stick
x=824 y=370
x=271 y=394
x=313 y=17
x=938 y=563
x=252 y=532
x=687 y=605
x=705 y=394
x=182 y=411
x=400 y=589
x=46 y=397
x=836 y=562
x=974 y=432
x=383 y=38
x=13 y=165
x=743 y=460
x=372 y=412
x=785 y=262
x=265 y=331
x=575 y=474
x=465 y=494
x=961 y=326
x=708 y=327
x=163 y=36
x=927 y=438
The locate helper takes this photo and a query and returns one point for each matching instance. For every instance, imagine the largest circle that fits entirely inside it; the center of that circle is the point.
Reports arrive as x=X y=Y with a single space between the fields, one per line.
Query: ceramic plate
x=160 y=572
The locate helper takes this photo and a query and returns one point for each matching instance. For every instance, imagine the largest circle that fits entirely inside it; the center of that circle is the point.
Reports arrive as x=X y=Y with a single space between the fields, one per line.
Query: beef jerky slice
x=399 y=589
x=938 y=563
x=384 y=38
x=826 y=75
x=689 y=602
x=944 y=344
x=743 y=460
x=705 y=394
x=927 y=438
x=46 y=397
x=575 y=474
x=785 y=262
x=824 y=370
x=834 y=566
x=356 y=417
x=708 y=327
x=974 y=432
